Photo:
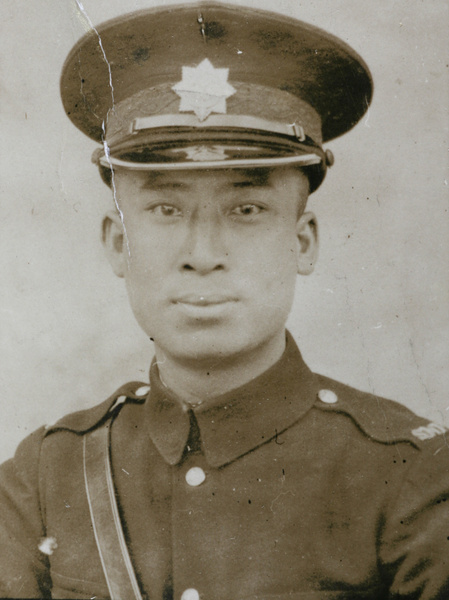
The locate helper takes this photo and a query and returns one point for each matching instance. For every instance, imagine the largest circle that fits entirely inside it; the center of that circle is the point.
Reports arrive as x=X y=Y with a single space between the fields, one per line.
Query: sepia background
x=375 y=312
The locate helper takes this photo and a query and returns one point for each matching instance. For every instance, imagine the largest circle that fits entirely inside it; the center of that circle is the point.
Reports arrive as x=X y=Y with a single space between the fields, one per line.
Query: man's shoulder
x=85 y=420
x=28 y=452
x=383 y=420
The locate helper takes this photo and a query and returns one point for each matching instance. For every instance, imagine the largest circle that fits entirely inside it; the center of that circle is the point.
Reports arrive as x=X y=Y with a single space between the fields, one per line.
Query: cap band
x=181 y=141
x=226 y=121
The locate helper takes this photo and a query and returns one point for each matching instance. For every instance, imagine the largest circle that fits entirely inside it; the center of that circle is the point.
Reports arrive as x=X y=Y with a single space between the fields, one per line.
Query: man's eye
x=165 y=210
x=247 y=210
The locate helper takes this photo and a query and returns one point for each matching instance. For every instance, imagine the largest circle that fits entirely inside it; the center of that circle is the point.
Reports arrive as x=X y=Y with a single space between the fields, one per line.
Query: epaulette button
x=142 y=391
x=328 y=396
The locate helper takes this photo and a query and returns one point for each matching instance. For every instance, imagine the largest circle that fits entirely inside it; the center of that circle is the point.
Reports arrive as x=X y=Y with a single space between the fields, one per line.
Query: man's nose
x=204 y=249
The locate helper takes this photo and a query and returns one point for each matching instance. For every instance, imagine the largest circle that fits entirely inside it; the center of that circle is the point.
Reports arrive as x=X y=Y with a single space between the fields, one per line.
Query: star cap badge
x=203 y=89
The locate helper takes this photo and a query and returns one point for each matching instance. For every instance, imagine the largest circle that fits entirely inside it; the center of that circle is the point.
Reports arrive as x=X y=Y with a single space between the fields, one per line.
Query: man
x=237 y=473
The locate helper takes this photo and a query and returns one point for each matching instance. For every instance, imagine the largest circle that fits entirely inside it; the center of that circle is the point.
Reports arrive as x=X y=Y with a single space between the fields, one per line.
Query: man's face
x=210 y=258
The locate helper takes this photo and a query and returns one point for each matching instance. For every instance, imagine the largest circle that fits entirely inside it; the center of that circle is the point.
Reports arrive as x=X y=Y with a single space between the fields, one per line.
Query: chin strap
x=116 y=562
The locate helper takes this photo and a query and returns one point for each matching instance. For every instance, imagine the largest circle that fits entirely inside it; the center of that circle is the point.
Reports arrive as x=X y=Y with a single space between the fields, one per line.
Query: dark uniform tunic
x=312 y=490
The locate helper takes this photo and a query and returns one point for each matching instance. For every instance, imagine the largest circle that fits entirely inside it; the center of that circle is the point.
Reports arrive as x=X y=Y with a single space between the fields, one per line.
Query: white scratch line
x=107 y=154
x=105 y=144
x=91 y=25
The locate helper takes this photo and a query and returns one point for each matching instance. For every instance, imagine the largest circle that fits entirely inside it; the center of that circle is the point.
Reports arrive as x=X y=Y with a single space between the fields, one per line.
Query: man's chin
x=207 y=345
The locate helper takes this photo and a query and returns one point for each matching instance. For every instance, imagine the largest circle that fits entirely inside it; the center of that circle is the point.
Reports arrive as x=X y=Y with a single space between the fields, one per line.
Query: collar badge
x=429 y=431
x=204 y=89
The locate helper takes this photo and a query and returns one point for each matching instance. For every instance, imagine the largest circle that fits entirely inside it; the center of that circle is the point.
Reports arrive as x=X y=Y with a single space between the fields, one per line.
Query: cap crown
x=149 y=48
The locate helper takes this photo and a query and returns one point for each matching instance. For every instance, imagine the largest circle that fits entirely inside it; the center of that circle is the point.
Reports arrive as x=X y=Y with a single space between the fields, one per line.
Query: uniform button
x=328 y=396
x=143 y=390
x=195 y=476
x=190 y=594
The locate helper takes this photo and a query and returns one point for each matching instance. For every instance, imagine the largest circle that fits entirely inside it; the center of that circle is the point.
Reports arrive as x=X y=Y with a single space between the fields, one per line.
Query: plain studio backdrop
x=375 y=312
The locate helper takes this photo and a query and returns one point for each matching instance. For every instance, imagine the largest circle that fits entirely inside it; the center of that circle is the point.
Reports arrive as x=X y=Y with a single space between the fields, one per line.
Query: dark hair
x=106 y=174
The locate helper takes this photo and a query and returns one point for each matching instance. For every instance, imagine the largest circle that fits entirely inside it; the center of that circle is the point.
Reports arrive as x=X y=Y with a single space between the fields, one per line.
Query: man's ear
x=113 y=239
x=307 y=243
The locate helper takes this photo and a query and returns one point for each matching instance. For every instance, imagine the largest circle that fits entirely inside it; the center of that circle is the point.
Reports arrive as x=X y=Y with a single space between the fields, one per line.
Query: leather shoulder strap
x=117 y=567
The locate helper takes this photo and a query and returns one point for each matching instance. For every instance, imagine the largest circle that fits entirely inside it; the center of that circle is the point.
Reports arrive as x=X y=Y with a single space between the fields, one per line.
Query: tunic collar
x=240 y=420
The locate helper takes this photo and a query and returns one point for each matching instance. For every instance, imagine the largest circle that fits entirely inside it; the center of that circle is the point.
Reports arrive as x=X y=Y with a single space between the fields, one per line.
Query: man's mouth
x=204 y=299
x=205 y=307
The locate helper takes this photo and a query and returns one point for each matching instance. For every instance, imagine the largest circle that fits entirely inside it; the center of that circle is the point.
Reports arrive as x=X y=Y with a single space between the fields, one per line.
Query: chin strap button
x=329 y=156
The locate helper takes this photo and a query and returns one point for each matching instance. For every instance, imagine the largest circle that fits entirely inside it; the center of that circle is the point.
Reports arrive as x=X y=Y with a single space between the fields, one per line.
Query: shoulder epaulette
x=85 y=420
x=381 y=419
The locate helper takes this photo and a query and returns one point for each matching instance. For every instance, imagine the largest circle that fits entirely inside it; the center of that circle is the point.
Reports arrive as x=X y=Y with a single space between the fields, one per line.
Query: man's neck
x=197 y=382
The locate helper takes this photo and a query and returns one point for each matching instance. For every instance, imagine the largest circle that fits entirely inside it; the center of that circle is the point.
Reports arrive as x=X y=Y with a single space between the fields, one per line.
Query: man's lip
x=204 y=299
